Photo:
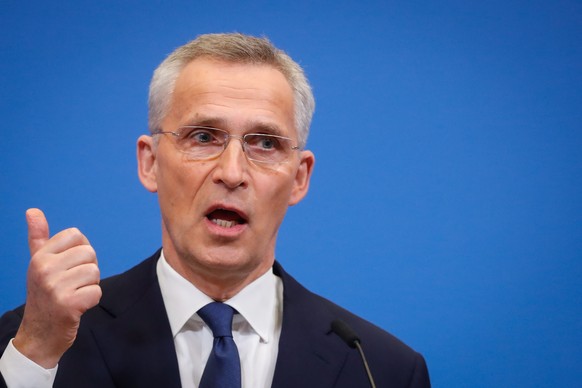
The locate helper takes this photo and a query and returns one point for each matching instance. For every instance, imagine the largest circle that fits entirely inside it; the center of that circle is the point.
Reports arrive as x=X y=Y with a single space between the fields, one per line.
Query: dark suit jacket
x=126 y=341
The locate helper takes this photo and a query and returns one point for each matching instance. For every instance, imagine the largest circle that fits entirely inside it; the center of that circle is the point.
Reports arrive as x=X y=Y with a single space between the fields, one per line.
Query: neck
x=219 y=282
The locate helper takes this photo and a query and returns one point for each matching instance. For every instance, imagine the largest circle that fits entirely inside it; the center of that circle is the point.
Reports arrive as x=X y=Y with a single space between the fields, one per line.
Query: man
x=228 y=116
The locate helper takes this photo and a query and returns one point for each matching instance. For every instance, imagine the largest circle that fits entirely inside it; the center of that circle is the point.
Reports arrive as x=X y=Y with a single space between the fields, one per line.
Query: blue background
x=445 y=205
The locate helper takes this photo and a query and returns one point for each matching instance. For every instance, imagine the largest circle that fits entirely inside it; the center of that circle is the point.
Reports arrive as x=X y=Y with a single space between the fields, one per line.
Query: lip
x=230 y=208
x=218 y=230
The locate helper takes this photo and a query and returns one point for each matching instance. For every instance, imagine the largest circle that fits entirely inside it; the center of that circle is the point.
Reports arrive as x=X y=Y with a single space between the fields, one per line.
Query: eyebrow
x=219 y=123
x=206 y=122
x=267 y=129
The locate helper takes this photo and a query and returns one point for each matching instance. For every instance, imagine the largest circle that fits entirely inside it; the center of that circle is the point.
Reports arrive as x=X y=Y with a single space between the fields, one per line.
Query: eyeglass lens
x=206 y=143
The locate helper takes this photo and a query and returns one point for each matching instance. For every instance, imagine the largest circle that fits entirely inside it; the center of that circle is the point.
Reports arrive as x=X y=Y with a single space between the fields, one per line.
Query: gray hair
x=235 y=48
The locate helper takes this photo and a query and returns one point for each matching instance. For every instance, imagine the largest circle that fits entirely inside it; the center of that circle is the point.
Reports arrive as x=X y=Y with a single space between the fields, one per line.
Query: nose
x=232 y=165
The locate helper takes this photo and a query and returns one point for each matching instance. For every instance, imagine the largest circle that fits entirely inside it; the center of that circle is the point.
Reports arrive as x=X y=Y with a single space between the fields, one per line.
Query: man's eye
x=265 y=142
x=201 y=136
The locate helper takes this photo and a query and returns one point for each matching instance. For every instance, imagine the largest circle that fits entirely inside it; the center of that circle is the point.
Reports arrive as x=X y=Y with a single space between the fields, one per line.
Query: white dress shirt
x=256 y=331
x=20 y=372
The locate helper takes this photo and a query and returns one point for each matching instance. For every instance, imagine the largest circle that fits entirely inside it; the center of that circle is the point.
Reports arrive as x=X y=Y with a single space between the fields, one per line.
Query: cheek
x=276 y=197
x=179 y=183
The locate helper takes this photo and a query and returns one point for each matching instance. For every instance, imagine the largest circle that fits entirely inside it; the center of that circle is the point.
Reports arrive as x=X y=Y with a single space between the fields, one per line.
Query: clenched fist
x=62 y=283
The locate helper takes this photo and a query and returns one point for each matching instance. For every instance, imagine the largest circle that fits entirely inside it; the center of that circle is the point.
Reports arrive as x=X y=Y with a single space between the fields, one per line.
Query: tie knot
x=218 y=316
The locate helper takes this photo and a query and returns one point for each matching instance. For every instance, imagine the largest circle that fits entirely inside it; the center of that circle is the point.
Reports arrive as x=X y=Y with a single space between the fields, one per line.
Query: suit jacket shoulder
x=311 y=355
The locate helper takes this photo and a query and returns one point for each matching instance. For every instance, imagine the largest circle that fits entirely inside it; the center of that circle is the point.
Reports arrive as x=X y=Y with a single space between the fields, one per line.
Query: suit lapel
x=137 y=344
x=138 y=348
x=309 y=354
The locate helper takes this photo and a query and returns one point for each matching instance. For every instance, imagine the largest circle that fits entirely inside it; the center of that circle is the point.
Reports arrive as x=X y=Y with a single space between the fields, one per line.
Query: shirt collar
x=259 y=303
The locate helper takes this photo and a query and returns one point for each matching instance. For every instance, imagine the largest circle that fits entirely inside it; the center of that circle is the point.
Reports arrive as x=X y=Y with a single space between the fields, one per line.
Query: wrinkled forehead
x=231 y=94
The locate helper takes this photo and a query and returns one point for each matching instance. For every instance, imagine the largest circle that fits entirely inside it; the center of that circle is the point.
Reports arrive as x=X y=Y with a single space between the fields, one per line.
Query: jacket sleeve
x=420 y=378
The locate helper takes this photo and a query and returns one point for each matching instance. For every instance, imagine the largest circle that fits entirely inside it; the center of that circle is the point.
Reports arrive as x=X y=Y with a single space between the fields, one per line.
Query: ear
x=302 y=177
x=146 y=163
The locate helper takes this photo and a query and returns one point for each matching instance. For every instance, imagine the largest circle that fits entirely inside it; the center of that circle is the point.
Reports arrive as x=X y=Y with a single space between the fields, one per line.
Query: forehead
x=232 y=94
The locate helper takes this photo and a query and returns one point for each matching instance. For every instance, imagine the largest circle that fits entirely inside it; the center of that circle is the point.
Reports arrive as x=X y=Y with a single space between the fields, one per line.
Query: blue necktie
x=223 y=367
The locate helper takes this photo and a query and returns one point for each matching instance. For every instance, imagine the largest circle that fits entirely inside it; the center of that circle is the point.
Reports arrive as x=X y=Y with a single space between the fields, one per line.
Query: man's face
x=220 y=217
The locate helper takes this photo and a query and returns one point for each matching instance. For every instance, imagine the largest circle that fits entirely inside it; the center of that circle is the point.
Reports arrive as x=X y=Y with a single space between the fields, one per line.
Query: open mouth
x=226 y=218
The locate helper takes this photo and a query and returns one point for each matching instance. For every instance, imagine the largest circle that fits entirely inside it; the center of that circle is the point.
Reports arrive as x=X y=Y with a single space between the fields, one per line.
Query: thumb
x=38 y=230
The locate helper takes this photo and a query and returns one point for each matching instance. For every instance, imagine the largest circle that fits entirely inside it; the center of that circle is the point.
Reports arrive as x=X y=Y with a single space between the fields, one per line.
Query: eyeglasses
x=202 y=143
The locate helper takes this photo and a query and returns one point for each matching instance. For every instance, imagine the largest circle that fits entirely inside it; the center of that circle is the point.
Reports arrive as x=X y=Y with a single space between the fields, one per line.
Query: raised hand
x=62 y=284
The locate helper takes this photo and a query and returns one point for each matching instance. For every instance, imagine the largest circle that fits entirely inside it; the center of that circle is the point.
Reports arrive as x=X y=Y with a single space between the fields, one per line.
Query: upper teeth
x=224 y=223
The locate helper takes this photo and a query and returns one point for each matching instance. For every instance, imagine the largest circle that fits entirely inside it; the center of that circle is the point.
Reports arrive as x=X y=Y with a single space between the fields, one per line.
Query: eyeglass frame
x=177 y=133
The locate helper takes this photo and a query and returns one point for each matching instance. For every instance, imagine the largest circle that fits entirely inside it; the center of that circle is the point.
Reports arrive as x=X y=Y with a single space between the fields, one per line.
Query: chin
x=226 y=259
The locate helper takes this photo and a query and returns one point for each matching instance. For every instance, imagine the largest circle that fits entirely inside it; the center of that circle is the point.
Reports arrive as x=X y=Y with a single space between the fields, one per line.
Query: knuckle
x=91 y=252
x=74 y=235
x=87 y=252
x=41 y=270
x=97 y=294
x=63 y=300
x=50 y=287
x=89 y=298
x=74 y=231
x=94 y=272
